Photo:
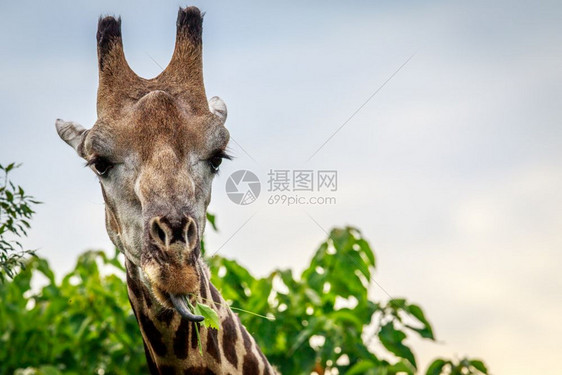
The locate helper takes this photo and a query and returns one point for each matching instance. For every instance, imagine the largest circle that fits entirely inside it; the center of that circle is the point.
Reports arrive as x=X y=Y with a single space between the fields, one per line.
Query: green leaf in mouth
x=211 y=317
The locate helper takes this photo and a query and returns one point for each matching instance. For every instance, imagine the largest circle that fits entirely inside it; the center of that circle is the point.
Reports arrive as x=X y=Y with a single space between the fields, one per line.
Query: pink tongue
x=181 y=306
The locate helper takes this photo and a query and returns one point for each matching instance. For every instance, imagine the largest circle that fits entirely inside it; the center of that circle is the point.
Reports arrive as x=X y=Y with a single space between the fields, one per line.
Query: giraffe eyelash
x=222 y=154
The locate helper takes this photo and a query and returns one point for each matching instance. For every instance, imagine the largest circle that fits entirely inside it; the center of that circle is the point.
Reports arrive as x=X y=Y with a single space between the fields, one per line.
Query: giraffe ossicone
x=156 y=145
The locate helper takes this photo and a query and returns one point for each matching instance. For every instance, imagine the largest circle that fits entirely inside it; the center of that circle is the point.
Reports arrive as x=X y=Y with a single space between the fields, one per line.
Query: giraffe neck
x=171 y=343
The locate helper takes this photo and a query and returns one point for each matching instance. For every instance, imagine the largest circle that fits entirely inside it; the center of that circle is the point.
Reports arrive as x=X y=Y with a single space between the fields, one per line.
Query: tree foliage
x=322 y=315
x=15 y=213
x=464 y=367
x=80 y=325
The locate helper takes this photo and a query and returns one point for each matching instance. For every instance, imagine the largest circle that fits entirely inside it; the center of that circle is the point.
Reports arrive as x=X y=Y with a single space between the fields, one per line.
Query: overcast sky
x=452 y=170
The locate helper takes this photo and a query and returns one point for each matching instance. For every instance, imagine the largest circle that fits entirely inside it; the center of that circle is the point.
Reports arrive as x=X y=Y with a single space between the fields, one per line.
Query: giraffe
x=155 y=147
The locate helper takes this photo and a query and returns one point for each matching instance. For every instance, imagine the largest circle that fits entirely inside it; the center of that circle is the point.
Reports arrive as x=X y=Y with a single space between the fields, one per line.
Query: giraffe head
x=155 y=148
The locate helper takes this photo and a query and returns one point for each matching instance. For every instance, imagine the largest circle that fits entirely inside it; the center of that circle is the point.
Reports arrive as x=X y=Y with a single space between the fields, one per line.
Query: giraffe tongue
x=181 y=306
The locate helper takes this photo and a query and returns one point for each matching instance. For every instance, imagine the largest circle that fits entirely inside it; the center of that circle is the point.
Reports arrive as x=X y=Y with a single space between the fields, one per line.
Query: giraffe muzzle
x=170 y=261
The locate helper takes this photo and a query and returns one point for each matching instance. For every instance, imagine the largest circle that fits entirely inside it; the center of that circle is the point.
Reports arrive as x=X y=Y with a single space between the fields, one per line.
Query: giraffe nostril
x=191 y=234
x=161 y=235
x=158 y=232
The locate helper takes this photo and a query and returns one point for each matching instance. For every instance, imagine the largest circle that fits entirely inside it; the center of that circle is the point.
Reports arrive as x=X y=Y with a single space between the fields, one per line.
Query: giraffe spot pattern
x=213 y=344
x=166 y=316
x=147 y=297
x=267 y=368
x=247 y=340
x=251 y=365
x=230 y=336
x=133 y=286
x=151 y=331
x=180 y=342
x=166 y=370
x=215 y=295
x=203 y=285
x=193 y=335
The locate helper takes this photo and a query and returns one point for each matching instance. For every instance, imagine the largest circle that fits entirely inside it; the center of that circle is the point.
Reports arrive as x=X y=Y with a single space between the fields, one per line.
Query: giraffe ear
x=71 y=132
x=218 y=108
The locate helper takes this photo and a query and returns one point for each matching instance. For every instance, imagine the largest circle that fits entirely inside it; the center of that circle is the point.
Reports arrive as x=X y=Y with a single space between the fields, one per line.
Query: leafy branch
x=465 y=366
x=15 y=213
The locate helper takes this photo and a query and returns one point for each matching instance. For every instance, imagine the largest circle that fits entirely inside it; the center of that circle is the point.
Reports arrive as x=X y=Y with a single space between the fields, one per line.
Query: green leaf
x=366 y=249
x=361 y=367
x=436 y=367
x=423 y=332
x=401 y=367
x=211 y=317
x=198 y=340
x=392 y=339
x=10 y=167
x=479 y=365
x=417 y=312
x=346 y=316
x=212 y=220
x=43 y=267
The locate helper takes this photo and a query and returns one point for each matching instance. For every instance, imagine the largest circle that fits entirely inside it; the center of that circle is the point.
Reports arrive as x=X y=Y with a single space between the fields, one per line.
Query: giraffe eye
x=215 y=163
x=216 y=160
x=101 y=166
